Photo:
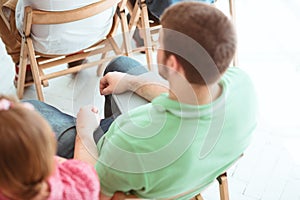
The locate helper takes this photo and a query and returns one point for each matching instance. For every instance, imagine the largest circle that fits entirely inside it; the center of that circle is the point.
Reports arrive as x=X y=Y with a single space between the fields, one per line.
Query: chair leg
x=198 y=197
x=125 y=32
x=22 y=70
x=147 y=34
x=99 y=69
x=35 y=70
x=134 y=18
x=114 y=46
x=223 y=186
x=232 y=11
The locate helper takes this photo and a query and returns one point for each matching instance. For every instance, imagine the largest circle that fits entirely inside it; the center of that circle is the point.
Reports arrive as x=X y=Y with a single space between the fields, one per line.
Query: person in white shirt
x=52 y=39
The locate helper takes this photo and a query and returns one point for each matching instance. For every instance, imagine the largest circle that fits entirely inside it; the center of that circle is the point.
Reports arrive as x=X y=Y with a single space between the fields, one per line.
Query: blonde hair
x=27 y=147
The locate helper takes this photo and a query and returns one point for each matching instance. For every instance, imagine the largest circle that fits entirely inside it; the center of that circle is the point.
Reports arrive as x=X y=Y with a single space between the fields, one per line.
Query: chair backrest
x=59 y=17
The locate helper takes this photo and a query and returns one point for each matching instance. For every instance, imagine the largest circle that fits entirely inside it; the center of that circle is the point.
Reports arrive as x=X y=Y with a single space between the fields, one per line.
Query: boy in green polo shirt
x=192 y=130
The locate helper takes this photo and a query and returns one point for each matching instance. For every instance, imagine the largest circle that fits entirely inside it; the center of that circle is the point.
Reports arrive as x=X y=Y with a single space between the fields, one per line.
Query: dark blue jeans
x=64 y=125
x=157 y=7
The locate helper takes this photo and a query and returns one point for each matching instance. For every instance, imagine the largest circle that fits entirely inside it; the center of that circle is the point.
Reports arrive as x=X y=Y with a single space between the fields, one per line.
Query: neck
x=194 y=94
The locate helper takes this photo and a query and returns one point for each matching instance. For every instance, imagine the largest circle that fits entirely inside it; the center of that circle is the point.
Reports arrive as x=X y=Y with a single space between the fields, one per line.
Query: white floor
x=268 y=33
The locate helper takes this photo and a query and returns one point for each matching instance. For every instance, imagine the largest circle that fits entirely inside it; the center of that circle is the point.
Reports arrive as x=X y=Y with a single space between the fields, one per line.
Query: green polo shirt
x=166 y=149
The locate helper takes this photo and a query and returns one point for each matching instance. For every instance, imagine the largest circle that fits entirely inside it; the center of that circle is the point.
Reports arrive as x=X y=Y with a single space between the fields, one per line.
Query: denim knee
x=126 y=65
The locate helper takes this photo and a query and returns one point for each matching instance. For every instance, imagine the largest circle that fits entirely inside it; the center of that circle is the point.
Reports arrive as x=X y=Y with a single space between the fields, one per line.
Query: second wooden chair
x=39 y=62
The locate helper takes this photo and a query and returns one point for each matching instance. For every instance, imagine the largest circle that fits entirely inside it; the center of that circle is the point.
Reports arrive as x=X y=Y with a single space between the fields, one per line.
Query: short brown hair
x=27 y=148
x=209 y=28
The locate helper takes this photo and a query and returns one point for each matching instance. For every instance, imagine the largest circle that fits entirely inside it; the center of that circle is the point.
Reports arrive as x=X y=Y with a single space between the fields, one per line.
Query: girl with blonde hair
x=29 y=168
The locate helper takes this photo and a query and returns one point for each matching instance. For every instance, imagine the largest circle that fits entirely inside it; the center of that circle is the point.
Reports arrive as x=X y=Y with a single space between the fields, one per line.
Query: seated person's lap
x=64 y=125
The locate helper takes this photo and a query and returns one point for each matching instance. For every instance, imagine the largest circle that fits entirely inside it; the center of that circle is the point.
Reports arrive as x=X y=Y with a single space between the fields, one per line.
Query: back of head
x=205 y=26
x=27 y=147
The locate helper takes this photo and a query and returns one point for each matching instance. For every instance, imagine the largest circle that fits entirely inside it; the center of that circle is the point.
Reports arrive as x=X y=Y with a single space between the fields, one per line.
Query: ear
x=174 y=65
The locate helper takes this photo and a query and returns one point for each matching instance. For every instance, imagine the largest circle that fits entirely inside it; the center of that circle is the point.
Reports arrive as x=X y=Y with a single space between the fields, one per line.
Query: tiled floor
x=268 y=34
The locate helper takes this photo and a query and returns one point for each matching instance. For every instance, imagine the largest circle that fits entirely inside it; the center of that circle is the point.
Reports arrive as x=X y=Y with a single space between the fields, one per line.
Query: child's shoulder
x=73 y=178
x=75 y=168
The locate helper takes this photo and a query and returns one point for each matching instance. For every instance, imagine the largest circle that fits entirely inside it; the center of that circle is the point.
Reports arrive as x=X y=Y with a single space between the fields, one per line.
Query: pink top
x=72 y=179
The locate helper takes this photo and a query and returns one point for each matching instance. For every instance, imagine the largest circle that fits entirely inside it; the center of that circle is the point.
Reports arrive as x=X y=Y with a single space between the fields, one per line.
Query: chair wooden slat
x=59 y=17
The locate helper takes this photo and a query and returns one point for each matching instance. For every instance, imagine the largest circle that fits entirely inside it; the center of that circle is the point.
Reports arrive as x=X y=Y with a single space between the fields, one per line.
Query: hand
x=114 y=83
x=87 y=122
x=88 y=118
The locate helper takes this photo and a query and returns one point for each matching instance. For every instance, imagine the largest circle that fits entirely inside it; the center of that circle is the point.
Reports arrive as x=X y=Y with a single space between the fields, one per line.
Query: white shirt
x=69 y=37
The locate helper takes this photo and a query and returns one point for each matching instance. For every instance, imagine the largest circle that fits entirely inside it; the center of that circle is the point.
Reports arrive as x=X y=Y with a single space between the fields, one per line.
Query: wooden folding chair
x=139 y=19
x=40 y=62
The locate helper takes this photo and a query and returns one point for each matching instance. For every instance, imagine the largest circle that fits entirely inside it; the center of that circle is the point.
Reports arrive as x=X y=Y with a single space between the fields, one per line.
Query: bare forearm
x=86 y=123
x=146 y=88
x=84 y=153
x=148 y=85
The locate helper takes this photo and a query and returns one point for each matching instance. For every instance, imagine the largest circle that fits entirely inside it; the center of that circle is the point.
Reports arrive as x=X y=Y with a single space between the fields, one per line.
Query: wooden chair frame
x=39 y=61
x=223 y=188
x=139 y=18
